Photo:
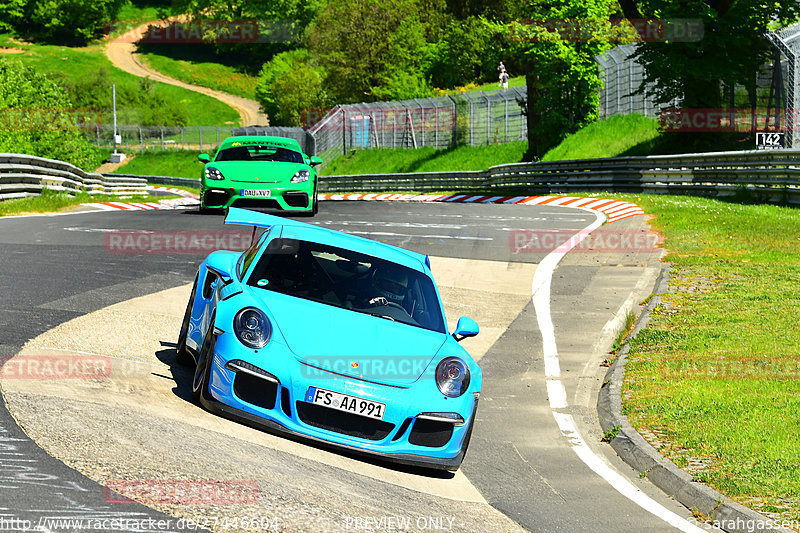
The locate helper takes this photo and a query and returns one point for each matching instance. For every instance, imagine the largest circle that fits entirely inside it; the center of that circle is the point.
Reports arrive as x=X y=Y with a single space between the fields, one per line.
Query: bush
x=37 y=118
x=62 y=21
x=290 y=87
x=469 y=50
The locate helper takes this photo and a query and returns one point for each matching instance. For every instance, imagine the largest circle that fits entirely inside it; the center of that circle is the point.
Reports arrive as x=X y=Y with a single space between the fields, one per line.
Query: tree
x=64 y=21
x=370 y=49
x=282 y=24
x=35 y=118
x=290 y=89
x=460 y=56
x=732 y=50
x=561 y=74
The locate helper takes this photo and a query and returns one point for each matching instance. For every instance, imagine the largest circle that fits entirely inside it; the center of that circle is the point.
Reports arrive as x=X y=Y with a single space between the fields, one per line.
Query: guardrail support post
x=201 y=137
x=163 y=146
x=141 y=140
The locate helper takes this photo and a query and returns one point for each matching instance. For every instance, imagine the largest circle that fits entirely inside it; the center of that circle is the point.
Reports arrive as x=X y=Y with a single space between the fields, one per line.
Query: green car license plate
x=257 y=193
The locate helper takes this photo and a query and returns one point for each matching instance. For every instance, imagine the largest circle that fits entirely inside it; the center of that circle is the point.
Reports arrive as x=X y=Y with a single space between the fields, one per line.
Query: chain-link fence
x=203 y=138
x=148 y=138
x=787 y=45
x=621 y=77
x=440 y=122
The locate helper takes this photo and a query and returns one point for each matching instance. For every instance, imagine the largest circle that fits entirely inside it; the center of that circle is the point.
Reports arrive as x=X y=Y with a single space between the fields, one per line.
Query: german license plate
x=257 y=193
x=345 y=402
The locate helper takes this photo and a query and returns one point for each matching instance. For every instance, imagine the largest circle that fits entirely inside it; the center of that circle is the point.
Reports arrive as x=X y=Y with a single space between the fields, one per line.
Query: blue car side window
x=247 y=257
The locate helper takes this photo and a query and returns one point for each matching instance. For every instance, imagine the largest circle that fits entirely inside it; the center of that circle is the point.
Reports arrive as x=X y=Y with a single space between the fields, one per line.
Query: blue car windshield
x=259 y=153
x=349 y=280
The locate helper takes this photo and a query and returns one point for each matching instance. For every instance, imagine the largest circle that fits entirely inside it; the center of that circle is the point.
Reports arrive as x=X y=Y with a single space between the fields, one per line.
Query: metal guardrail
x=769 y=176
x=161 y=180
x=25 y=175
x=772 y=176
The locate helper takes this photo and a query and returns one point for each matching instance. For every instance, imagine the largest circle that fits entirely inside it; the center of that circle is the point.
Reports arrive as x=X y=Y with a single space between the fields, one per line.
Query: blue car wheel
x=204 y=359
x=182 y=355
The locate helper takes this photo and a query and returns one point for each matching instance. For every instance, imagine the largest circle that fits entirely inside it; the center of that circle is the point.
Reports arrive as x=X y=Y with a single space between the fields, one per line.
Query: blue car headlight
x=214 y=174
x=300 y=176
x=452 y=377
x=252 y=327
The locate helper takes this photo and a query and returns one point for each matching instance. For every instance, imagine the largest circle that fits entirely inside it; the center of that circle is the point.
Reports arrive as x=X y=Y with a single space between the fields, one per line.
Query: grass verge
x=514 y=81
x=387 y=160
x=713 y=381
x=198 y=65
x=176 y=164
x=52 y=202
x=617 y=135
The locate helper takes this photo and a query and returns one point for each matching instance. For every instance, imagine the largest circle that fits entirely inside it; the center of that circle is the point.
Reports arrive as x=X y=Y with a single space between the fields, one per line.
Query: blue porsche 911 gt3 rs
x=331 y=337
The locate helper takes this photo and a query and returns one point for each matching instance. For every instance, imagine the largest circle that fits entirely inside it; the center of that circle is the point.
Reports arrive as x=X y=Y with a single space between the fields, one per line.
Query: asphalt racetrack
x=535 y=461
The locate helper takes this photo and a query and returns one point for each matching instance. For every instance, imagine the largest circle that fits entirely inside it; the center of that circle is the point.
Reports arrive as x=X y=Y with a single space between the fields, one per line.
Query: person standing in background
x=504 y=80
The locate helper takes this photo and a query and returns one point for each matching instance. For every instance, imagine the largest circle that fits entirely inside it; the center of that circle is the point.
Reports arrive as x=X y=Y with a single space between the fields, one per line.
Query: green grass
x=88 y=74
x=515 y=81
x=52 y=201
x=617 y=135
x=717 y=370
x=135 y=14
x=177 y=164
x=387 y=160
x=199 y=66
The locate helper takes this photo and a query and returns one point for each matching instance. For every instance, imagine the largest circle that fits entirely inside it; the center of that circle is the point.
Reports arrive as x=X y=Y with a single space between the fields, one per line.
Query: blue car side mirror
x=222 y=264
x=466 y=327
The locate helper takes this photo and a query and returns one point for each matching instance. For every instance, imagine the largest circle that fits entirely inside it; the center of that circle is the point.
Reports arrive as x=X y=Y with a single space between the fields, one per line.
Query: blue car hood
x=351 y=343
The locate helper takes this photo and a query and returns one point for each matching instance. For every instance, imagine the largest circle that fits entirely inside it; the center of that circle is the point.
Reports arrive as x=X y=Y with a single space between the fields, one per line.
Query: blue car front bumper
x=268 y=390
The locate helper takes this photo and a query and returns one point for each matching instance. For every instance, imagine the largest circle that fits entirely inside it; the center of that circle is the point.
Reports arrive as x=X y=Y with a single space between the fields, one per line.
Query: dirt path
x=122 y=53
x=108 y=167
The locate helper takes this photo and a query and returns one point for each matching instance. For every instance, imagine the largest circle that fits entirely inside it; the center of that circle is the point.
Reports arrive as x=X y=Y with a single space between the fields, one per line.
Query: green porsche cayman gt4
x=258 y=171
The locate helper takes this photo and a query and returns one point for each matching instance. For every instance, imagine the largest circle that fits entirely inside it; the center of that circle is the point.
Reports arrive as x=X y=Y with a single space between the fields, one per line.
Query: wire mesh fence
x=472 y=119
x=622 y=76
x=149 y=138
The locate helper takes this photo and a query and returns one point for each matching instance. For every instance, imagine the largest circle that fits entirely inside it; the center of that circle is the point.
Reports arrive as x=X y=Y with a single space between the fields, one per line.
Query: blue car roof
x=300 y=230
